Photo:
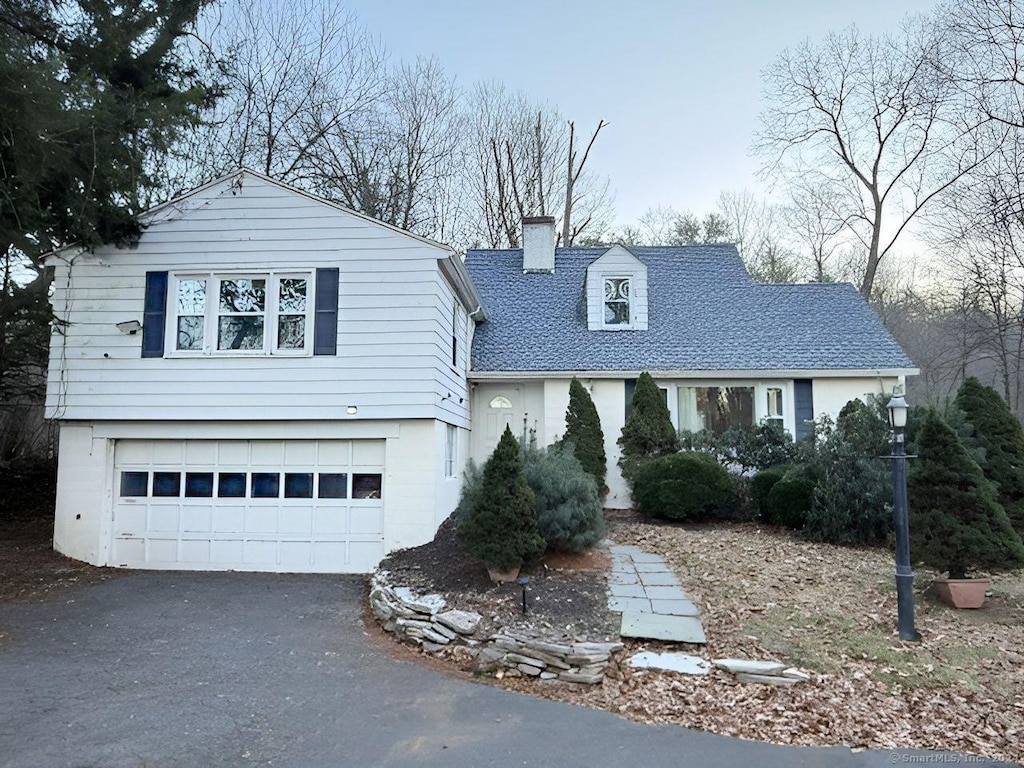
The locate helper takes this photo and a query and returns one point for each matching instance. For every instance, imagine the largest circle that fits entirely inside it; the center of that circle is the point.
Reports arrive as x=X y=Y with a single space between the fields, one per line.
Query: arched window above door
x=500 y=401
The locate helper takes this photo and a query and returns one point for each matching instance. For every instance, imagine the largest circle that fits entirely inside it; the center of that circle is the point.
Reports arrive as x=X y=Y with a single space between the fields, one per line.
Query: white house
x=723 y=348
x=267 y=382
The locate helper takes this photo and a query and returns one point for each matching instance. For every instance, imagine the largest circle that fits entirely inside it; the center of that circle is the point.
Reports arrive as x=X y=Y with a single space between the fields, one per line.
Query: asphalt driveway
x=159 y=670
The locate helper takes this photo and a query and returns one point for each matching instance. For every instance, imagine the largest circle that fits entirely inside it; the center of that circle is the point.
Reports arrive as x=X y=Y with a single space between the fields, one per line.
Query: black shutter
x=630 y=387
x=803 y=401
x=154 y=314
x=325 y=317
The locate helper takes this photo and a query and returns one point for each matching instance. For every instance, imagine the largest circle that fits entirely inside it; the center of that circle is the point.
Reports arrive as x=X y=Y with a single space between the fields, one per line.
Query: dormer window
x=617 y=293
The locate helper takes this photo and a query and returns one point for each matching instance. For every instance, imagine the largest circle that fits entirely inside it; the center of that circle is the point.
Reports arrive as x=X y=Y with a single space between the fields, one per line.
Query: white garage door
x=253 y=505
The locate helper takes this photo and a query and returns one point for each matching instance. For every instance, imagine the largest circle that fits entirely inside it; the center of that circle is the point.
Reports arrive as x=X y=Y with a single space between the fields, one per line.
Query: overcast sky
x=679 y=82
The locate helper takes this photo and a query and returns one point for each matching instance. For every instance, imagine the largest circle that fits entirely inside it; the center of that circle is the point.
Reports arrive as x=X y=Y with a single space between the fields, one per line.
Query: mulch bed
x=566 y=594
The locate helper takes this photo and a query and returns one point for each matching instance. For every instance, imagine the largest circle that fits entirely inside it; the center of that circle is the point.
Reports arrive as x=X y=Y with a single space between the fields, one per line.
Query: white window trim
x=451 y=452
x=211 y=314
x=629 y=303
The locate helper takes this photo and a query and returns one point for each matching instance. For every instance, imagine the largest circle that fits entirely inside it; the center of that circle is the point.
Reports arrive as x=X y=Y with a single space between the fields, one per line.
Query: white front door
x=496 y=407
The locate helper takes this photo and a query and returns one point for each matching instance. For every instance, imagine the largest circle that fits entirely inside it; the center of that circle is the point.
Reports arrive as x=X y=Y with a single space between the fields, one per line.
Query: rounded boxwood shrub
x=763 y=483
x=567 y=503
x=683 y=486
x=790 y=499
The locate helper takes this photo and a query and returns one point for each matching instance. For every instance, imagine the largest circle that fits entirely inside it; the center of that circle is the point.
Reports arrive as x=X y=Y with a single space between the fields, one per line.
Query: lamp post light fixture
x=904 y=573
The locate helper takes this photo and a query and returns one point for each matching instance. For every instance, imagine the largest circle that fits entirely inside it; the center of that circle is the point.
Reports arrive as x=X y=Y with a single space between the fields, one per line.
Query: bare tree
x=521 y=159
x=294 y=73
x=873 y=120
x=983 y=248
x=818 y=229
x=572 y=177
x=757 y=228
x=397 y=160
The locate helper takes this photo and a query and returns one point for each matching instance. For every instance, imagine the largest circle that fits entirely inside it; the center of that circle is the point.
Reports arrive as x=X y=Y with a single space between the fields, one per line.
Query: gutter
x=780 y=373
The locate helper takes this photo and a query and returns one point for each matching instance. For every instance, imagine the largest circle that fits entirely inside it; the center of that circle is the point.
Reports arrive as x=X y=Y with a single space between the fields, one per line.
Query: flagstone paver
x=647 y=593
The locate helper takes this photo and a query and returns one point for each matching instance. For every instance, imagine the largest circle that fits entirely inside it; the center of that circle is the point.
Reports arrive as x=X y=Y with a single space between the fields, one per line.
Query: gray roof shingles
x=705 y=314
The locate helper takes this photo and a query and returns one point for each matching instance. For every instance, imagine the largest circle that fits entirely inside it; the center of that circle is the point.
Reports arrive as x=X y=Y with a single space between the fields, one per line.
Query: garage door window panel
x=366 y=486
x=332 y=485
x=298 y=485
x=232 y=485
x=266 y=485
x=198 y=485
x=167 y=484
x=134 y=484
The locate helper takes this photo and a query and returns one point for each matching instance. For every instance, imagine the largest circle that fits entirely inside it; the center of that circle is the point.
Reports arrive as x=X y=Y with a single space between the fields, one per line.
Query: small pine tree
x=583 y=431
x=569 y=512
x=956 y=524
x=500 y=528
x=999 y=433
x=648 y=432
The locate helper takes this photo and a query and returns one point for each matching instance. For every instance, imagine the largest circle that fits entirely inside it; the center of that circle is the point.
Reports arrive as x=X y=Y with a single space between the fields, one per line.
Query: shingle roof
x=705 y=314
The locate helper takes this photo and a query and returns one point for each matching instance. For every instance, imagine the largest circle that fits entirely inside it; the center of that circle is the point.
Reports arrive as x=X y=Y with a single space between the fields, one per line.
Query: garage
x=253 y=505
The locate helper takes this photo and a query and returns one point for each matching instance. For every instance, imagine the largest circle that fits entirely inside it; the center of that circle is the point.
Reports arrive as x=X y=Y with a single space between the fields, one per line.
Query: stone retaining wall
x=424 y=621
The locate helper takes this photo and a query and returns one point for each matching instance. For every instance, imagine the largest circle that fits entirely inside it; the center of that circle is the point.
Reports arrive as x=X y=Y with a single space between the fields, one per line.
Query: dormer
x=617 y=292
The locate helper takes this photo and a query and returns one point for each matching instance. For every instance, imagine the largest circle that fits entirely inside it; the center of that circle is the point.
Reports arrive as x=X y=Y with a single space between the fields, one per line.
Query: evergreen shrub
x=756 y=447
x=999 y=433
x=570 y=517
x=498 y=522
x=583 y=431
x=790 y=499
x=687 y=486
x=956 y=524
x=853 y=494
x=762 y=485
x=648 y=433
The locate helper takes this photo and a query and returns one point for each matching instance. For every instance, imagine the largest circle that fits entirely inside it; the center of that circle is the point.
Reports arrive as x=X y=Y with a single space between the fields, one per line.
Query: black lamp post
x=904 y=574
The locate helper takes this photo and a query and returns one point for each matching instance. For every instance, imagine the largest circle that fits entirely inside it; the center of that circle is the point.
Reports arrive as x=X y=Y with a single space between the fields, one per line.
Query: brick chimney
x=538 y=244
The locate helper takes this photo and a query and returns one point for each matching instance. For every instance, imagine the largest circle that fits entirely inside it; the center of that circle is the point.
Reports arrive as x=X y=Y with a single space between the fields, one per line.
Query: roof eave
x=458 y=278
x=753 y=373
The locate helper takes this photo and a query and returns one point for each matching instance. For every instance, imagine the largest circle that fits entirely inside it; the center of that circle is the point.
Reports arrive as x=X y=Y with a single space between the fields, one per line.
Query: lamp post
x=904 y=574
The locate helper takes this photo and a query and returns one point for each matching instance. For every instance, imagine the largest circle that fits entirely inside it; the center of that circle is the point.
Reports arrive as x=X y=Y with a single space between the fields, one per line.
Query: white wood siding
x=394 y=319
x=617 y=262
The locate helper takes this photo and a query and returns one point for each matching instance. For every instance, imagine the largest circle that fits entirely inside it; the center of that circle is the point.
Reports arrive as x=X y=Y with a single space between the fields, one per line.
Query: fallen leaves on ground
x=764 y=594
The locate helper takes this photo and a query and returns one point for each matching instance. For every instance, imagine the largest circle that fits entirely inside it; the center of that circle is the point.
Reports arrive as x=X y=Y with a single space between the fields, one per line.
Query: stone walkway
x=648 y=595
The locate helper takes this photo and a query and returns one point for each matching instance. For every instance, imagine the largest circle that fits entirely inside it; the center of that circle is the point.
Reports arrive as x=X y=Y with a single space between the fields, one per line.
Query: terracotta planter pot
x=499 y=576
x=962 y=593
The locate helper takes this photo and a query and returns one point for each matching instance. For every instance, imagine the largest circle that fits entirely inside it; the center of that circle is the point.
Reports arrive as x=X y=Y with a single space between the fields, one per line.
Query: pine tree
x=583 y=431
x=956 y=524
x=999 y=433
x=500 y=528
x=648 y=432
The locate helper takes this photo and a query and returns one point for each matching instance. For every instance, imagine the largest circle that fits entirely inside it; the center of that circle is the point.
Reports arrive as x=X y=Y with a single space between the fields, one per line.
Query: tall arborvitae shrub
x=583 y=431
x=568 y=507
x=956 y=524
x=648 y=432
x=500 y=525
x=999 y=433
